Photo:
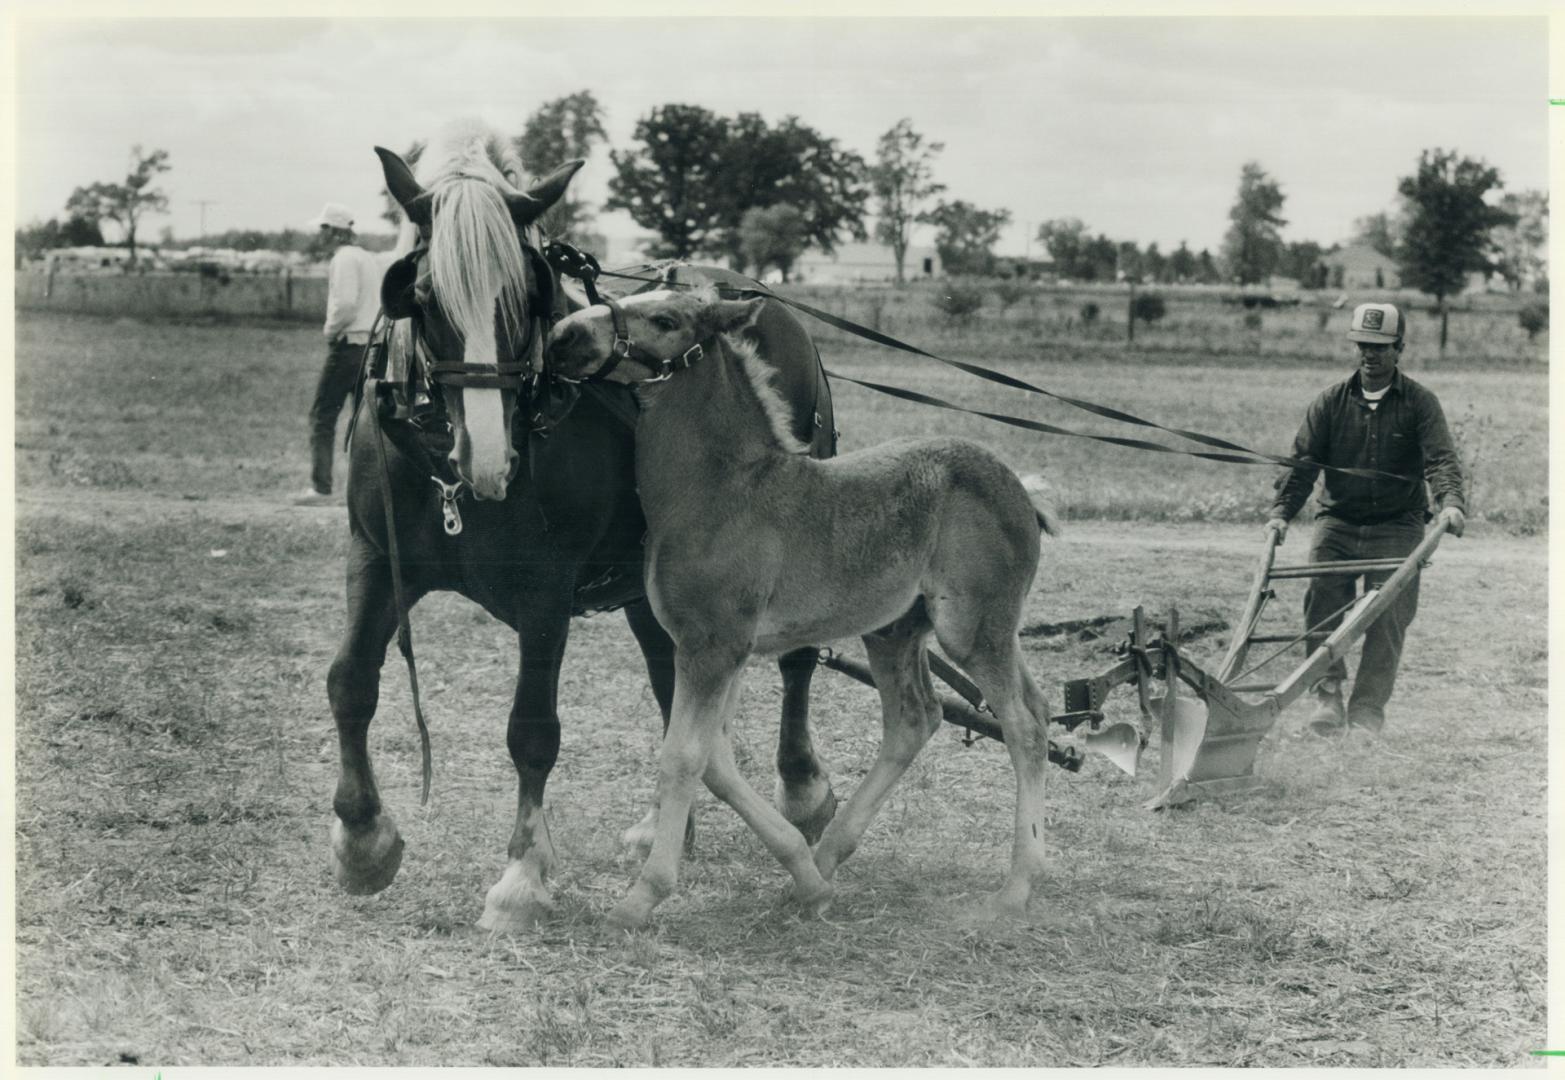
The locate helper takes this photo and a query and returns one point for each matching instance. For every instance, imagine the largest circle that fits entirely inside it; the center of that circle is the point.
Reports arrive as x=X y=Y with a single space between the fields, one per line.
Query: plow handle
x=1240 y=643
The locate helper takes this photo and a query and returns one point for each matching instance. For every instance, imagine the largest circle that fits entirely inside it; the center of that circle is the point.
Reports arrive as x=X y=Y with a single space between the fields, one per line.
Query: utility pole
x=204 y=203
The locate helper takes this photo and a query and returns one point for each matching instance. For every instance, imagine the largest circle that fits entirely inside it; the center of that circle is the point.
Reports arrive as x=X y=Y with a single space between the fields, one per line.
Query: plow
x=1209 y=724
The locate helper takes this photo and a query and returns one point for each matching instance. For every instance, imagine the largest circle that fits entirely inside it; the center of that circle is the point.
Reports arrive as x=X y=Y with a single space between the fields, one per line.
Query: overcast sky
x=1137 y=126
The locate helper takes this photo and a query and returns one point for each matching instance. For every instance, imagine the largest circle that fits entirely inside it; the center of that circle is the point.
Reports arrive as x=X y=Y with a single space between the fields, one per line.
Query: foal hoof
x=365 y=861
x=808 y=812
x=813 y=900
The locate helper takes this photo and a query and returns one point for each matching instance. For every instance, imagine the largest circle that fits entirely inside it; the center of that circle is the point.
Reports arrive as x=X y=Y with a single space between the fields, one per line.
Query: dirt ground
x=1375 y=902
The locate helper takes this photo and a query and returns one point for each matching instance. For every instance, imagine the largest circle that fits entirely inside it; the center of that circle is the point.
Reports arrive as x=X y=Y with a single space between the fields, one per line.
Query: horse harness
x=410 y=409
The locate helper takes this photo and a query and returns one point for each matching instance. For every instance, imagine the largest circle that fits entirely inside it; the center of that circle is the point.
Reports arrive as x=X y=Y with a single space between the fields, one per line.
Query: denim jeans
x=338 y=376
x=1335 y=541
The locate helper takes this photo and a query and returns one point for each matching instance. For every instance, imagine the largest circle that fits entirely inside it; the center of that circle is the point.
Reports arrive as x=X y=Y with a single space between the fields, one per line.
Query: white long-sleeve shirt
x=352 y=294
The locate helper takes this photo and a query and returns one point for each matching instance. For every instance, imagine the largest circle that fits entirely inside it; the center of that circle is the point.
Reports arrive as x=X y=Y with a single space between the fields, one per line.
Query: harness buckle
x=621 y=347
x=692 y=354
x=450 y=516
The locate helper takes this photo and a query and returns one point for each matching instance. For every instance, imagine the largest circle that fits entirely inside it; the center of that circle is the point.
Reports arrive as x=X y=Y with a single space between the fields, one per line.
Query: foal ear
x=733 y=316
x=529 y=206
x=410 y=195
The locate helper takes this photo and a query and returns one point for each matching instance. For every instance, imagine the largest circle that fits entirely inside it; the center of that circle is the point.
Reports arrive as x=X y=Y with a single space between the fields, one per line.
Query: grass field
x=1375 y=903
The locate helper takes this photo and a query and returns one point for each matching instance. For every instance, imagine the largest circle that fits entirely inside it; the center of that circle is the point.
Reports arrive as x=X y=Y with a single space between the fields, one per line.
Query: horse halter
x=399 y=301
x=623 y=348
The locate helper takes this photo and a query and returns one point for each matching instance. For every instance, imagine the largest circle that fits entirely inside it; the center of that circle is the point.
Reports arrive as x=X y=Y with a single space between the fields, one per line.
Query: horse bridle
x=397 y=287
x=623 y=348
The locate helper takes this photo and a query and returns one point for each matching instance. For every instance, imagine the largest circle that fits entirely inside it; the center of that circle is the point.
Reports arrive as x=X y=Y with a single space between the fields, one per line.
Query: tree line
x=757 y=194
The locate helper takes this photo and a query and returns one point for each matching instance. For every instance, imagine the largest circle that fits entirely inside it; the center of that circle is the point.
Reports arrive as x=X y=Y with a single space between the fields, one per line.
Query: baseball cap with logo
x=336 y=215
x=1379 y=324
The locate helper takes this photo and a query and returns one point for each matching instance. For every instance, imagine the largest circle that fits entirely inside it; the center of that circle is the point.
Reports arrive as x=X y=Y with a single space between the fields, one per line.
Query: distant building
x=96 y=260
x=1359 y=266
x=854 y=262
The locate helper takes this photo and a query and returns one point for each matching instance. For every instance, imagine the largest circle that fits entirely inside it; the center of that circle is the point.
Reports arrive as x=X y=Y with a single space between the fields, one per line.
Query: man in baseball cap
x=352 y=302
x=333 y=216
x=1377 y=324
x=1377 y=419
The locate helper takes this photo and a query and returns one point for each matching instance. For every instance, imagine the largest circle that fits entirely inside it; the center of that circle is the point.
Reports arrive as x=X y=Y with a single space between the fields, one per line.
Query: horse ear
x=410 y=195
x=528 y=207
x=733 y=316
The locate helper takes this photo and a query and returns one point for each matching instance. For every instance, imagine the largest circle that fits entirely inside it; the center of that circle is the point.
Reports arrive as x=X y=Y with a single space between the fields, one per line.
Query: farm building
x=865 y=262
x=1359 y=266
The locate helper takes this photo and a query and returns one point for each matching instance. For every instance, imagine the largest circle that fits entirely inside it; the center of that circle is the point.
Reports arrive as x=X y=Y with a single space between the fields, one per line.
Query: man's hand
x=1279 y=526
x=1455 y=520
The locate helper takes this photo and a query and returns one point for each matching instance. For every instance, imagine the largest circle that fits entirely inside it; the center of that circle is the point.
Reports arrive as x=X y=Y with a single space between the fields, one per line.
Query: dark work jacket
x=1406 y=435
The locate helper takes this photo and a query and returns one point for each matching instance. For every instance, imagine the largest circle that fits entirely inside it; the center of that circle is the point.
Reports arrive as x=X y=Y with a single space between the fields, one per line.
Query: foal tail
x=1049 y=521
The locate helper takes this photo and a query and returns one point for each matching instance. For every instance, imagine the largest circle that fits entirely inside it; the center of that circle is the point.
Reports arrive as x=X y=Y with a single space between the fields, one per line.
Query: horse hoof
x=523 y=919
x=365 y=861
x=629 y=916
x=638 y=838
x=811 y=821
x=814 y=826
x=1007 y=905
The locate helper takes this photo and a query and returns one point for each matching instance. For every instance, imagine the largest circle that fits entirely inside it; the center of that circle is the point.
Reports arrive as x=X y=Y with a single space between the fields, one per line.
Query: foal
x=754 y=547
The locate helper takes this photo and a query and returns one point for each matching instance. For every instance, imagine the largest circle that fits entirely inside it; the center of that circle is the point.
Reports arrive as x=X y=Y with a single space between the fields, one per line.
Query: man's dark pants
x=1336 y=541
x=338 y=376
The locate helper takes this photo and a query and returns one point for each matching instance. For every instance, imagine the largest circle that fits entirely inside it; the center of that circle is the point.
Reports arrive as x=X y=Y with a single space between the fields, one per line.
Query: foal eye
x=665 y=322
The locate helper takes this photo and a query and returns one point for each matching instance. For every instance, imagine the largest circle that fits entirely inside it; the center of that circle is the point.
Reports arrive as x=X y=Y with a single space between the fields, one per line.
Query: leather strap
x=399 y=597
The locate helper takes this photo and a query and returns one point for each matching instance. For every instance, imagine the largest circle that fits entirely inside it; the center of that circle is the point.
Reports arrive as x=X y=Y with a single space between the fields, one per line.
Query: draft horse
x=469 y=473
x=920 y=537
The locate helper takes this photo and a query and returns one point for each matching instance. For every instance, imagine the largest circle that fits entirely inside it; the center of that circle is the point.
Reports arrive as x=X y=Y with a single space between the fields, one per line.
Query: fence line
x=277 y=296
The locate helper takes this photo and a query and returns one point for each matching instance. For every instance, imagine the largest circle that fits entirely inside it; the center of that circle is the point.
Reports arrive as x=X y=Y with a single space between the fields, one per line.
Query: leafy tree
x=1181 y=264
x=124 y=203
x=41 y=236
x=1100 y=259
x=559 y=131
x=1534 y=318
x=789 y=163
x=965 y=235
x=1302 y=262
x=1128 y=262
x=1449 y=223
x=1206 y=271
x=673 y=182
x=773 y=236
x=1522 y=246
x=1380 y=231
x=1065 y=238
x=902 y=181
x=1252 y=246
x=1154 y=264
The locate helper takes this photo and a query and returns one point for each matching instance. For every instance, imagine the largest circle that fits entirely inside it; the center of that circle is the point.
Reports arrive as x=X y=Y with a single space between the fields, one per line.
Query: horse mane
x=473 y=253
x=759 y=375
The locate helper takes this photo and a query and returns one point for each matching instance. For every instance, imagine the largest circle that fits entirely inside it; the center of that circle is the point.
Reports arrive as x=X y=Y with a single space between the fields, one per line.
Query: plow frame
x=1209 y=735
